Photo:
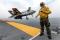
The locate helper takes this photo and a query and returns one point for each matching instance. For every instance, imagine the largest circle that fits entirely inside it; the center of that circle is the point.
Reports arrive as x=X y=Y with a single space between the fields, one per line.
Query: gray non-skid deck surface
x=44 y=37
x=8 y=32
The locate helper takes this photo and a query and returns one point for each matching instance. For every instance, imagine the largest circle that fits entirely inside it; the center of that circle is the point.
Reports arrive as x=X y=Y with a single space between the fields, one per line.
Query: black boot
x=41 y=34
x=49 y=37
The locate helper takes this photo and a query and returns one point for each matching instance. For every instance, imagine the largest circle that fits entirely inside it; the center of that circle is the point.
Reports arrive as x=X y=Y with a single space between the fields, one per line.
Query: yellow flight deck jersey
x=44 y=12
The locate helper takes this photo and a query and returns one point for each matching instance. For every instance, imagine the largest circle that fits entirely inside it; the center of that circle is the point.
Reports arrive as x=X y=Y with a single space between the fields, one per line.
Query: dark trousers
x=45 y=23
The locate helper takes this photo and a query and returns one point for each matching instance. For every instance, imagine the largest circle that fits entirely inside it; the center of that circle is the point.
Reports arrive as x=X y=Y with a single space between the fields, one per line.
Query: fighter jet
x=18 y=15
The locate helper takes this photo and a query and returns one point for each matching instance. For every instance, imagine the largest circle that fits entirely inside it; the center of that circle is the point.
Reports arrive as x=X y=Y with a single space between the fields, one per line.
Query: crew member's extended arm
x=38 y=14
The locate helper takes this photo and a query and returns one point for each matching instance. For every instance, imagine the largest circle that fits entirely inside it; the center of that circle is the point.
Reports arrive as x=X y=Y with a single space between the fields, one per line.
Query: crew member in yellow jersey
x=44 y=21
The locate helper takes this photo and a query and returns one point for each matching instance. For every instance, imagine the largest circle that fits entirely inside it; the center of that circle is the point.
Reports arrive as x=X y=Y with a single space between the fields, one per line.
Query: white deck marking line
x=34 y=36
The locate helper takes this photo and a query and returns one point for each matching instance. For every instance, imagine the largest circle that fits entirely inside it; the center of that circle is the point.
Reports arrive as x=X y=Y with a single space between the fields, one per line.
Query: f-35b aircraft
x=18 y=15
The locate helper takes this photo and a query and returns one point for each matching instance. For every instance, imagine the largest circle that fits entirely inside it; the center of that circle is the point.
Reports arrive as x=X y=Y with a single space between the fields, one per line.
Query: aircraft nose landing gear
x=18 y=17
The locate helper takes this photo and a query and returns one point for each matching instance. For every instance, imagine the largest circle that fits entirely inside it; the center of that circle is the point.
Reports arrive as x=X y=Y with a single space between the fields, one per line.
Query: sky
x=23 y=5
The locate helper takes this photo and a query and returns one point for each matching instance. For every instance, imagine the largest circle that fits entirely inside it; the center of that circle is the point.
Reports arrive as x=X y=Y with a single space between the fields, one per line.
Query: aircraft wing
x=14 y=13
x=11 y=13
